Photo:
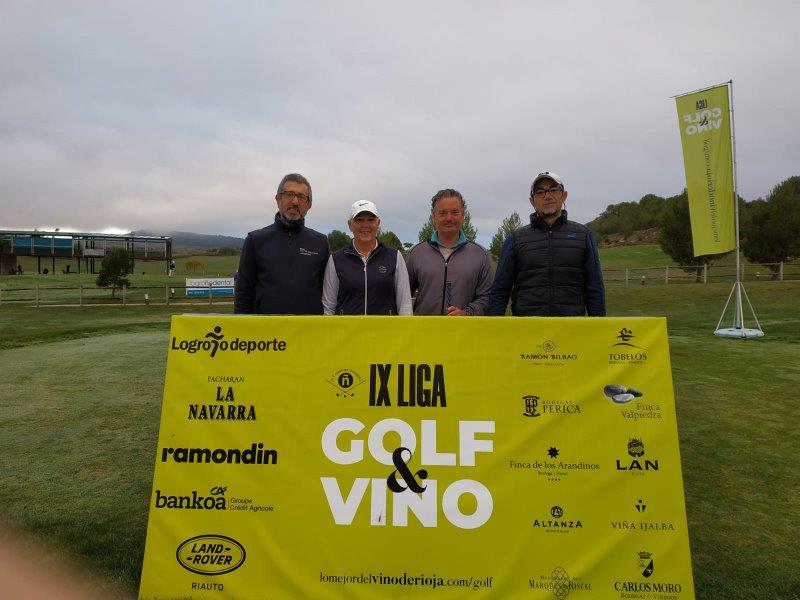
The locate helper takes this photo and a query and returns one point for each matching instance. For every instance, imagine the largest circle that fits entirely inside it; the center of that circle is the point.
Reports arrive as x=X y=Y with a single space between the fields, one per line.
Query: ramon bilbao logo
x=210 y=554
x=214 y=341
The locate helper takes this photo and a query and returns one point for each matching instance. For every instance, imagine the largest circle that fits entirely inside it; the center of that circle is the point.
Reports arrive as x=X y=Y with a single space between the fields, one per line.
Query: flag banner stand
x=417 y=457
x=709 y=153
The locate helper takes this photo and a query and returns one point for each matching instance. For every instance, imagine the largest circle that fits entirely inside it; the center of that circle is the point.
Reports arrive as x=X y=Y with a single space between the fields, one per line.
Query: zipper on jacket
x=552 y=281
x=444 y=284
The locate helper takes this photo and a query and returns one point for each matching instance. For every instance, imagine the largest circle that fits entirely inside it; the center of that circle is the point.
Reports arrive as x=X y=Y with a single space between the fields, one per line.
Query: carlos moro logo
x=654 y=589
x=214 y=341
x=624 y=351
x=345 y=382
x=210 y=554
x=215 y=500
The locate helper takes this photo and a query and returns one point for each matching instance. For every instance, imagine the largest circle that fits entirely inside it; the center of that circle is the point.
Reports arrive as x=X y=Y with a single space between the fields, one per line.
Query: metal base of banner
x=740 y=332
x=737 y=329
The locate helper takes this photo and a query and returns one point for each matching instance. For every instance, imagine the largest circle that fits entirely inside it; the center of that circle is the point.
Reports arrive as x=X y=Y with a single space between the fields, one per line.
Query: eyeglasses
x=540 y=192
x=292 y=195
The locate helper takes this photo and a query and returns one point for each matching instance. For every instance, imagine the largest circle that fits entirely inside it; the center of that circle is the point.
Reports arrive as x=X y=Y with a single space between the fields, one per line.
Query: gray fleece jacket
x=463 y=280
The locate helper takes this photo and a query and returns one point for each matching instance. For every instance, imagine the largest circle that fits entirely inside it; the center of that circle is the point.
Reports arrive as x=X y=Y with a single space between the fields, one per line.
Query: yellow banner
x=704 y=120
x=418 y=457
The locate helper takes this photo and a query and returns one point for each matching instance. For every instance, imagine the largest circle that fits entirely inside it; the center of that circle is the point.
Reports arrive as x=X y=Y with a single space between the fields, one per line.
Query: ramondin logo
x=256 y=454
x=214 y=501
x=345 y=381
x=214 y=341
x=210 y=554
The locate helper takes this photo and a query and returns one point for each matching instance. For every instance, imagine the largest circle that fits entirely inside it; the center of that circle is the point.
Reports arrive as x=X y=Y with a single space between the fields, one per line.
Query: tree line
x=768 y=226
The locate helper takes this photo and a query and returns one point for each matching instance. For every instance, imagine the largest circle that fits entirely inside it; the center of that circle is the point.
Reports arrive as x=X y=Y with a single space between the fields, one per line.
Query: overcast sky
x=185 y=115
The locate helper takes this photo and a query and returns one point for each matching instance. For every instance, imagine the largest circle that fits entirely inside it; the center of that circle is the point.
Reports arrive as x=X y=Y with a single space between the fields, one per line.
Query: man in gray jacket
x=451 y=275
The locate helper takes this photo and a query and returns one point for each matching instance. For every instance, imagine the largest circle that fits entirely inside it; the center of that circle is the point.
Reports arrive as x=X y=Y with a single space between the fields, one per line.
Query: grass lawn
x=80 y=401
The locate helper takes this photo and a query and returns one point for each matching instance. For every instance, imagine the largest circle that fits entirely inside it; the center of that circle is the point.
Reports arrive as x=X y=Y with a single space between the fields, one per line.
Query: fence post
x=705 y=272
x=80 y=294
x=626 y=275
x=666 y=275
x=166 y=295
x=1 y=295
x=37 y=295
x=124 y=287
x=780 y=271
x=209 y=293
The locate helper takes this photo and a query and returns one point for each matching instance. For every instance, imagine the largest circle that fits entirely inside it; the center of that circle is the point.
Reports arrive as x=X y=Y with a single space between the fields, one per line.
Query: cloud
x=186 y=115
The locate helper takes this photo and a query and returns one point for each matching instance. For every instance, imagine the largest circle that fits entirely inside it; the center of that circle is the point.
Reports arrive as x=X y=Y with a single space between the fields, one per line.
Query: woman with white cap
x=366 y=277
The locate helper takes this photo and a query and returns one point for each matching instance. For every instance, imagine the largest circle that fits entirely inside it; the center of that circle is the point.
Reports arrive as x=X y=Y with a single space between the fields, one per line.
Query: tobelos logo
x=210 y=554
x=214 y=341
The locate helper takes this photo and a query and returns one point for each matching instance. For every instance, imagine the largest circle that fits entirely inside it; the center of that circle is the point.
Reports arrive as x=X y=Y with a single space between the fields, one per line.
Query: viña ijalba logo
x=626 y=352
x=214 y=341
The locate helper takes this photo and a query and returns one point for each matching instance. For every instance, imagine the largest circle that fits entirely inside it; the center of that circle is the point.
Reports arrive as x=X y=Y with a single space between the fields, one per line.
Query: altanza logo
x=214 y=341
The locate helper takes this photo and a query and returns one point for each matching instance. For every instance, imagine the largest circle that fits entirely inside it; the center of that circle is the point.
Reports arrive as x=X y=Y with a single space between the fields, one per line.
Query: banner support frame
x=738 y=330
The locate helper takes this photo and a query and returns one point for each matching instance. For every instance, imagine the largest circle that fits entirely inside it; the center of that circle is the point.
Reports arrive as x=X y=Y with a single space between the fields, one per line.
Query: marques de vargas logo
x=214 y=341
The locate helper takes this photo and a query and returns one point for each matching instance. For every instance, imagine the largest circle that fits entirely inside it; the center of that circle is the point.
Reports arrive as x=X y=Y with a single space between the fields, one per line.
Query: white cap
x=547 y=175
x=363 y=206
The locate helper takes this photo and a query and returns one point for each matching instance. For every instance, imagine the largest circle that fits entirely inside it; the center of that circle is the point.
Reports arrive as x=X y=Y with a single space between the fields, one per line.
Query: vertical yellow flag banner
x=417 y=457
x=705 y=125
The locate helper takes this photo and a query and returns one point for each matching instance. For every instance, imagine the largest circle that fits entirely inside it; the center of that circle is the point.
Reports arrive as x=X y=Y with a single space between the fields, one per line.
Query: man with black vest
x=550 y=268
x=282 y=265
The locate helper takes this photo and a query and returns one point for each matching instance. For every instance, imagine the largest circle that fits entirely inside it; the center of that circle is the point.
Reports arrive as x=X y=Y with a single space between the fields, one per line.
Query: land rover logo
x=210 y=554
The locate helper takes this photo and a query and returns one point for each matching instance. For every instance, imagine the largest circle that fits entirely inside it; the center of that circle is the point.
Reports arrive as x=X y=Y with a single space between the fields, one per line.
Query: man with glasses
x=282 y=265
x=450 y=274
x=551 y=267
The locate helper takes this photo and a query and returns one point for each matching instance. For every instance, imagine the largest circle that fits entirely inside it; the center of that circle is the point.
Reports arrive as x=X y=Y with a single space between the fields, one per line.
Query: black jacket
x=549 y=271
x=281 y=270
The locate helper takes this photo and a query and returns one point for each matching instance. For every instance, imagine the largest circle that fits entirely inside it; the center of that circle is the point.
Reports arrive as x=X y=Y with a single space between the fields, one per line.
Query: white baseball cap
x=363 y=206
x=547 y=175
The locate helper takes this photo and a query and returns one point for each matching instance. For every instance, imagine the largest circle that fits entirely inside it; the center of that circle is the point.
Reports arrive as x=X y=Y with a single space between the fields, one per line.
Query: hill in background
x=186 y=242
